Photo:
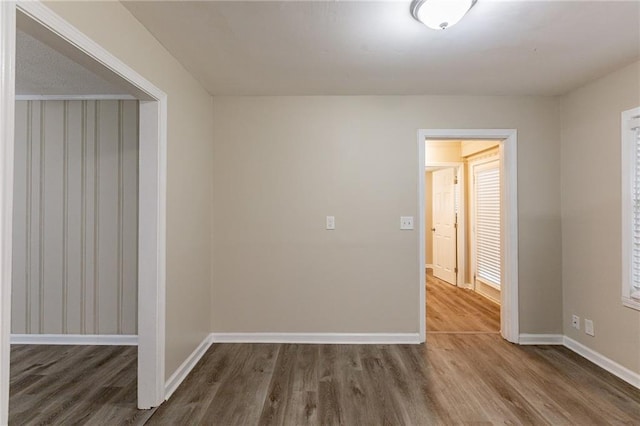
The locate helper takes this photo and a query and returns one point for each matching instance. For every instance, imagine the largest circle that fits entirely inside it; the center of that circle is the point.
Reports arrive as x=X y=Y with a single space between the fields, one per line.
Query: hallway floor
x=454 y=310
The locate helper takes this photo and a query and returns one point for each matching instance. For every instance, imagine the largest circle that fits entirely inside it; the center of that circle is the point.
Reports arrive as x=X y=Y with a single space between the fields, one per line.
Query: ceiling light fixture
x=440 y=14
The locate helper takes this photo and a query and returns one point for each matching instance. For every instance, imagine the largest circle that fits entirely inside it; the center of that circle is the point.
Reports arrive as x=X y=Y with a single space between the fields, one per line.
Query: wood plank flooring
x=93 y=385
x=452 y=309
x=454 y=379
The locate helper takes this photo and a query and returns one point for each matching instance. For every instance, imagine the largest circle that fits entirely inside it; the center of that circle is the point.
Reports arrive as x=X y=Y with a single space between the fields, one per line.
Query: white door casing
x=444 y=225
x=7 y=107
x=509 y=309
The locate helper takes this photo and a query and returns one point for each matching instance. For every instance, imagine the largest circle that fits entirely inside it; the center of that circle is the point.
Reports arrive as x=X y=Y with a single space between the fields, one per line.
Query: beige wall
x=472 y=147
x=442 y=152
x=189 y=158
x=75 y=218
x=282 y=164
x=591 y=215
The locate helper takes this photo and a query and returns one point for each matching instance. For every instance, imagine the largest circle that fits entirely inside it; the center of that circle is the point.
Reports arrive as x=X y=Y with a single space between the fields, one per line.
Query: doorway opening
x=462 y=238
x=468 y=230
x=150 y=106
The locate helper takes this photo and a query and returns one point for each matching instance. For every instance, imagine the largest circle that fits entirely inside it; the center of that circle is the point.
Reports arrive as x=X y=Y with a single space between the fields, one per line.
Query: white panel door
x=444 y=225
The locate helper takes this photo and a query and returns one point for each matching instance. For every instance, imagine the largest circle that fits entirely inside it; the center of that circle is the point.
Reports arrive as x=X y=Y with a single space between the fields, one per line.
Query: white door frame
x=509 y=312
x=152 y=195
x=461 y=233
x=7 y=109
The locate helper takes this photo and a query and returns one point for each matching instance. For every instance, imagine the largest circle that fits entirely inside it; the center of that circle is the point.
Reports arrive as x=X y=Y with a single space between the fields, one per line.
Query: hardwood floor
x=61 y=385
x=454 y=379
x=474 y=377
x=452 y=309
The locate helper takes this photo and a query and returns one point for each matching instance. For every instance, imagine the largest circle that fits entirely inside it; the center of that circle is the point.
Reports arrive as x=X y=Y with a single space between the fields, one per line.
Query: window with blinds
x=635 y=290
x=487 y=222
x=631 y=208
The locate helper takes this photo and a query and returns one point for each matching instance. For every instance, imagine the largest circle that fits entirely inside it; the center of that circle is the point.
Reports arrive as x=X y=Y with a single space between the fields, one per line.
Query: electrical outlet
x=588 y=327
x=406 y=222
x=575 y=322
x=331 y=222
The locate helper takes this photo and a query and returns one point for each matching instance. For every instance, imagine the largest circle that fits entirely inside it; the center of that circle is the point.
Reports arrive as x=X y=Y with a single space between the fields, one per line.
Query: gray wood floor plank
x=250 y=378
x=195 y=395
x=303 y=407
x=383 y=404
x=470 y=378
x=329 y=396
x=281 y=388
x=62 y=385
x=601 y=396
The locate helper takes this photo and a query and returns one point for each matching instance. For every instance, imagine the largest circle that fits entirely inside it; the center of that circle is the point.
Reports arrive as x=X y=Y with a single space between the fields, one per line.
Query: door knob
x=433 y=229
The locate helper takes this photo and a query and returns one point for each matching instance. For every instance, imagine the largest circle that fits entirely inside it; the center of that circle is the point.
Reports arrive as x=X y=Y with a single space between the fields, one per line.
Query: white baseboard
x=318 y=338
x=74 y=339
x=486 y=296
x=185 y=368
x=541 y=339
x=600 y=360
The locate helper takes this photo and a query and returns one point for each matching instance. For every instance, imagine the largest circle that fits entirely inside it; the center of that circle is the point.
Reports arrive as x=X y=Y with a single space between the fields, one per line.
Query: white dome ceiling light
x=440 y=14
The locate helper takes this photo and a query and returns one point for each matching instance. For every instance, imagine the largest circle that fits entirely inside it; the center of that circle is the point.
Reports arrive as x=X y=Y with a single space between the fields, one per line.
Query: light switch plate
x=331 y=222
x=406 y=222
x=588 y=327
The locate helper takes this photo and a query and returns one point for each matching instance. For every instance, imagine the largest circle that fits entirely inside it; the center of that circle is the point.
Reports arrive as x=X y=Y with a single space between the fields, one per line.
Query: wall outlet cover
x=406 y=222
x=575 y=322
x=588 y=327
x=331 y=222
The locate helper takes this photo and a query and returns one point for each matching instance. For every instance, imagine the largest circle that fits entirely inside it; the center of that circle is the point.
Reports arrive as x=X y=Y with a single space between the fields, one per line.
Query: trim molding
x=602 y=361
x=319 y=338
x=541 y=339
x=75 y=98
x=74 y=339
x=185 y=368
x=627 y=145
x=7 y=107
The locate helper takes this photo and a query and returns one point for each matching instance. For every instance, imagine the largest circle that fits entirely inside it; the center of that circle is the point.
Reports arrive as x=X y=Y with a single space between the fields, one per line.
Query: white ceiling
x=360 y=47
x=43 y=71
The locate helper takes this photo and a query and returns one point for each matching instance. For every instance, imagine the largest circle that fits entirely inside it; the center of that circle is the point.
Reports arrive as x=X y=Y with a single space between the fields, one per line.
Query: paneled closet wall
x=75 y=217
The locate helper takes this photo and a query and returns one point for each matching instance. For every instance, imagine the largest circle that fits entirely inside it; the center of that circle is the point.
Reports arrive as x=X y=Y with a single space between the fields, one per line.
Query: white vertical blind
x=635 y=202
x=487 y=201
